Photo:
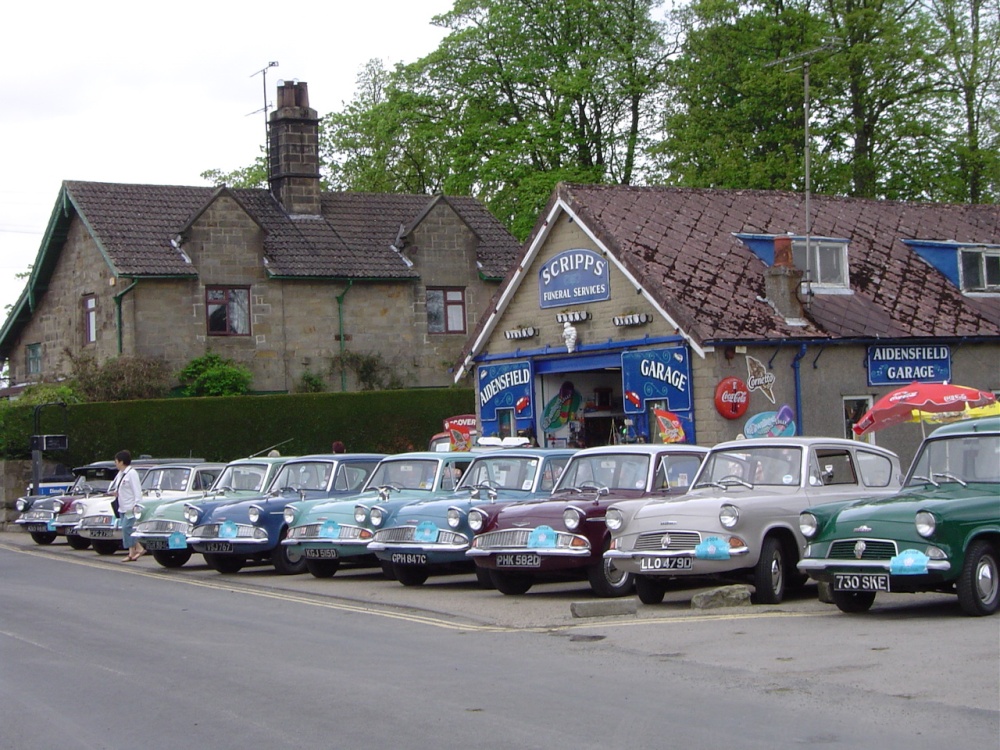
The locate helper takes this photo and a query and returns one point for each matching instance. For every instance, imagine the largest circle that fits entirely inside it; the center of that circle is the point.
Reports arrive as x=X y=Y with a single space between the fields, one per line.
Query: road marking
x=327 y=602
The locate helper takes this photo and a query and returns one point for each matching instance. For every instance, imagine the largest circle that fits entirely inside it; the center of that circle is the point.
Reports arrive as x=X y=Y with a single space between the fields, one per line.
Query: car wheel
x=483 y=578
x=410 y=575
x=979 y=582
x=322 y=568
x=648 y=590
x=387 y=570
x=286 y=560
x=43 y=537
x=172 y=558
x=853 y=602
x=769 y=573
x=225 y=563
x=77 y=542
x=607 y=580
x=511 y=584
x=106 y=546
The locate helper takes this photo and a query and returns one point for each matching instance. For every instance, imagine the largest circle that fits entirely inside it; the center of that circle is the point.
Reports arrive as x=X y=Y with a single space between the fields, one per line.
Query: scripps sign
x=574 y=277
x=899 y=365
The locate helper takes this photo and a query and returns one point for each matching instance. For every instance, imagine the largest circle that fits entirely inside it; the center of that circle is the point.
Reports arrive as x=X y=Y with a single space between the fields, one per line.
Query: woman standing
x=128 y=491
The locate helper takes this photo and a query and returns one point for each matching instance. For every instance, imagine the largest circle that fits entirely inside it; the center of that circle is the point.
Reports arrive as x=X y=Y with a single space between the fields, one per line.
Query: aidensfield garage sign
x=899 y=365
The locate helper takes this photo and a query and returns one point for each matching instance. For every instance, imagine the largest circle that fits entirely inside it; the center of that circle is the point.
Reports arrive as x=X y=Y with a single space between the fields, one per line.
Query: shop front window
x=854 y=409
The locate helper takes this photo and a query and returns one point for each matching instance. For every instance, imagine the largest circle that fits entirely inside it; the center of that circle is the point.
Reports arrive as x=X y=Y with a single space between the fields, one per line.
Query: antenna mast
x=267 y=140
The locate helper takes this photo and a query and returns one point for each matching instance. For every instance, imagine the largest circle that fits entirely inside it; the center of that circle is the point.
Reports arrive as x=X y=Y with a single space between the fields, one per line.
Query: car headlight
x=360 y=513
x=377 y=516
x=926 y=523
x=572 y=517
x=729 y=516
x=289 y=516
x=254 y=514
x=191 y=515
x=78 y=508
x=21 y=504
x=614 y=519
x=808 y=525
x=477 y=520
x=454 y=517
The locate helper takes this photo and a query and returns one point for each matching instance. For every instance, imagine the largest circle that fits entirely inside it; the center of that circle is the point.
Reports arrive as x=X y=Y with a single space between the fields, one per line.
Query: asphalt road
x=99 y=654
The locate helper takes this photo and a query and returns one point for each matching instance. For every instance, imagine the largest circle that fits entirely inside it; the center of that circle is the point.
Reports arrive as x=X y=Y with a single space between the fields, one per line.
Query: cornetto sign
x=899 y=365
x=574 y=277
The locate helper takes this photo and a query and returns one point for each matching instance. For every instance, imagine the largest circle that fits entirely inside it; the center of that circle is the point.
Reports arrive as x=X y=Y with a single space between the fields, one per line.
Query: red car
x=565 y=534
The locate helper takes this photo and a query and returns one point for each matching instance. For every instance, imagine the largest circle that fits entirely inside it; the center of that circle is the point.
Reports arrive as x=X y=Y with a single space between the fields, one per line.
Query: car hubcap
x=613 y=574
x=986 y=580
x=776 y=574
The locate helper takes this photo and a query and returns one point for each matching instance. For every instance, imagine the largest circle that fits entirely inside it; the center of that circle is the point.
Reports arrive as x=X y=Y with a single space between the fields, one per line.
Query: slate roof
x=133 y=225
x=680 y=244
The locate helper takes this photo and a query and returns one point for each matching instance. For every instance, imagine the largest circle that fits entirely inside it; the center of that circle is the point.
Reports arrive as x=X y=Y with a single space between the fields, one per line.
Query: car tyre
x=225 y=563
x=77 y=542
x=483 y=578
x=43 y=537
x=286 y=561
x=410 y=575
x=322 y=568
x=853 y=602
x=649 y=590
x=769 y=574
x=608 y=581
x=106 y=546
x=510 y=584
x=979 y=582
x=171 y=558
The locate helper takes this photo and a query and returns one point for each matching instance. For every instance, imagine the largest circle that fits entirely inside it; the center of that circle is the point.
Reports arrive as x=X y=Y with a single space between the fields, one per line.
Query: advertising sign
x=505 y=386
x=899 y=365
x=657 y=374
x=732 y=397
x=574 y=277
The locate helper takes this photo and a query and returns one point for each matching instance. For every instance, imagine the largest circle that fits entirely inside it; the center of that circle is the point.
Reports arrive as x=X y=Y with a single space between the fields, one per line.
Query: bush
x=211 y=375
x=310 y=382
x=120 y=379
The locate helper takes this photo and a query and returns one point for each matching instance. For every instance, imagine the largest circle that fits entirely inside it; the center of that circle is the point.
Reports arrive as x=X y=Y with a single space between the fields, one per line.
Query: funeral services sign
x=574 y=277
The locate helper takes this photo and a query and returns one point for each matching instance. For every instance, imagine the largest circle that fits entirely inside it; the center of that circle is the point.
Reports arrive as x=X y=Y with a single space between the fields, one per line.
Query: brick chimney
x=781 y=281
x=293 y=141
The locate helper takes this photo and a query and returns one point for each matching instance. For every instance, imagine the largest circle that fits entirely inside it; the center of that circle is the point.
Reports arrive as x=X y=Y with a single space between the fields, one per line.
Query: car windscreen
x=244 y=477
x=406 y=474
x=780 y=466
x=963 y=458
x=615 y=471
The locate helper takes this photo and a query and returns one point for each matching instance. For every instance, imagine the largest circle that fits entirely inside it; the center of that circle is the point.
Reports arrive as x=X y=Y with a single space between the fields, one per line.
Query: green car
x=940 y=533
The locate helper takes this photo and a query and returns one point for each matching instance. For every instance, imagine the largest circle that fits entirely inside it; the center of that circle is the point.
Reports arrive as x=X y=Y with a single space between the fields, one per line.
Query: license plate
x=155 y=545
x=31 y=527
x=101 y=533
x=860 y=581
x=218 y=546
x=666 y=563
x=519 y=560
x=408 y=558
x=320 y=554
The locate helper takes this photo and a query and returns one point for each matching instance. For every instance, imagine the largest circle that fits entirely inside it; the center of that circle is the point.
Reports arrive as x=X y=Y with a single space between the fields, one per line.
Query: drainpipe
x=798 y=390
x=340 y=320
x=118 y=311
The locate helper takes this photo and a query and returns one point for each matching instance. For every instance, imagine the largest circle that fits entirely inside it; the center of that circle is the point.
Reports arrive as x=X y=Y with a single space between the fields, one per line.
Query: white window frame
x=822 y=251
x=983 y=254
x=848 y=432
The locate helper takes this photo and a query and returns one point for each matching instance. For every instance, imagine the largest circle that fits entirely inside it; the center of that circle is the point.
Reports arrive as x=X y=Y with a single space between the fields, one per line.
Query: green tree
x=253 y=176
x=211 y=375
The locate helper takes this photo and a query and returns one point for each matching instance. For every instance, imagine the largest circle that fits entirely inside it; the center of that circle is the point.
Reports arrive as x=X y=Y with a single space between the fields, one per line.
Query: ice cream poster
x=779 y=423
x=505 y=386
x=657 y=374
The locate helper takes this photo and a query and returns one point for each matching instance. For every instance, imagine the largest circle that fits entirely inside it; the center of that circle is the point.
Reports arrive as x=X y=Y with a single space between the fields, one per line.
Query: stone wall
x=15 y=477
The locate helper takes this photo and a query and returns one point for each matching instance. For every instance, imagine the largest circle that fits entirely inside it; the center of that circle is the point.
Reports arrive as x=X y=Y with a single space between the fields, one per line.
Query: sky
x=111 y=91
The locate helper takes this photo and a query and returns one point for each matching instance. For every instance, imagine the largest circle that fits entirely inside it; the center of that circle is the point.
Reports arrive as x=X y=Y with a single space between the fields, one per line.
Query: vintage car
x=160 y=526
x=941 y=532
x=434 y=534
x=740 y=518
x=326 y=533
x=46 y=517
x=565 y=534
x=102 y=527
x=229 y=534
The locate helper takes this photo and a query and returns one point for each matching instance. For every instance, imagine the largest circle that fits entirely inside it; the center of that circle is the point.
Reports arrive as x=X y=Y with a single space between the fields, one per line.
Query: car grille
x=395 y=534
x=211 y=531
x=37 y=515
x=875 y=549
x=679 y=540
x=162 y=527
x=505 y=539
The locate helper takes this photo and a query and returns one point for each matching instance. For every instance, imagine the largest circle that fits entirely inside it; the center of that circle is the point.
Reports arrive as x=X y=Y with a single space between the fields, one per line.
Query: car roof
x=799 y=442
x=528 y=453
x=642 y=448
x=337 y=457
x=968 y=427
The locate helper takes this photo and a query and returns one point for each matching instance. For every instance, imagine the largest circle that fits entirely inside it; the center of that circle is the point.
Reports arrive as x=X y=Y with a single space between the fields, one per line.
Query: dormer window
x=980 y=269
x=827 y=260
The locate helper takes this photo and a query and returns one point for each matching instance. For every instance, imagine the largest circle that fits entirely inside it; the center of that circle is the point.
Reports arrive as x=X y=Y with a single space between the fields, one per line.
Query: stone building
x=651 y=313
x=284 y=281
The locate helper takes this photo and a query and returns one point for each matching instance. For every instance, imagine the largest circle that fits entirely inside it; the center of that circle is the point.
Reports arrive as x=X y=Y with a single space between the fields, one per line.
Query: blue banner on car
x=712 y=548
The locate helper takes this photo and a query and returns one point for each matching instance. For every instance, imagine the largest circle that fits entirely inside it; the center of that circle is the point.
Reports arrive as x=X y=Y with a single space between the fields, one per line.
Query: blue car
x=230 y=534
x=327 y=533
x=433 y=535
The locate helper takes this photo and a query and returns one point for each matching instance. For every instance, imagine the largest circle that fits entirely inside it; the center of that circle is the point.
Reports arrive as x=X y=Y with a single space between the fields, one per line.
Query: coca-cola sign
x=732 y=397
